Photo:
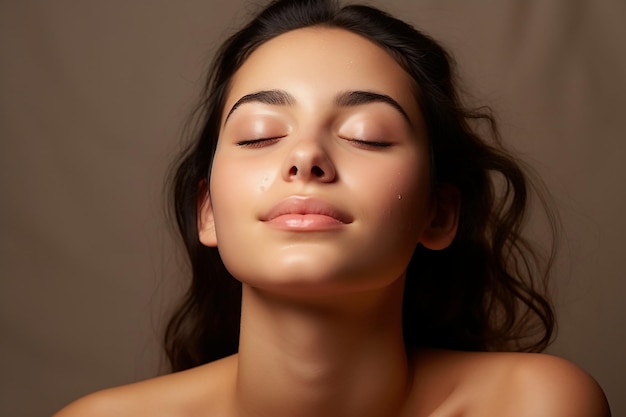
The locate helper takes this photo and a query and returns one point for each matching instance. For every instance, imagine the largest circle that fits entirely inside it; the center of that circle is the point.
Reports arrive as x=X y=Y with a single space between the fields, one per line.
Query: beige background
x=93 y=95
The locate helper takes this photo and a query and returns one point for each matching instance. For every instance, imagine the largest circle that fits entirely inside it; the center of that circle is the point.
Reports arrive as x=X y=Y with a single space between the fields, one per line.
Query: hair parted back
x=483 y=292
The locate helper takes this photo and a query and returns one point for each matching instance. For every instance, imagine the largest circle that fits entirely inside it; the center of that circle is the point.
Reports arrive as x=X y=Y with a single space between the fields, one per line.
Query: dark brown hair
x=484 y=292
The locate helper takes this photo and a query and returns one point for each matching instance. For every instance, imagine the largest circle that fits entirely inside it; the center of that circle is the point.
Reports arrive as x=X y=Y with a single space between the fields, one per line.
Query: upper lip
x=306 y=205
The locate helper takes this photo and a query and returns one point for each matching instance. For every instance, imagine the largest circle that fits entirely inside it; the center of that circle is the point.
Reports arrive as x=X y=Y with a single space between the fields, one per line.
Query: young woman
x=355 y=246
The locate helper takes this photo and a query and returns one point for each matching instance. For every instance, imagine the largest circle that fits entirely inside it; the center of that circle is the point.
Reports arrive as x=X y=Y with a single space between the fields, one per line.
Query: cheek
x=233 y=179
x=237 y=185
x=225 y=189
x=402 y=203
x=411 y=190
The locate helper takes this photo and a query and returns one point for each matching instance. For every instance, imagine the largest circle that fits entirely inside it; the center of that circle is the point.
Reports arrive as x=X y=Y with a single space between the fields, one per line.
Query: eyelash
x=370 y=143
x=257 y=143
x=261 y=142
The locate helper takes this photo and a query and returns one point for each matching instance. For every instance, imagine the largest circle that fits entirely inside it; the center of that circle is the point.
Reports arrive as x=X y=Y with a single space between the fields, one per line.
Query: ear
x=206 y=221
x=444 y=218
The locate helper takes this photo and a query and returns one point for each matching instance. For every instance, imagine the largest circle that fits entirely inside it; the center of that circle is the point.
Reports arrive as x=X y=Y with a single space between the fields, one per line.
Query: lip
x=306 y=213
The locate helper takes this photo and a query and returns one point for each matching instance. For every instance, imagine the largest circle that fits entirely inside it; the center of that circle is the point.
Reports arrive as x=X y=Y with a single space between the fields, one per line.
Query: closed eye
x=258 y=143
x=369 y=143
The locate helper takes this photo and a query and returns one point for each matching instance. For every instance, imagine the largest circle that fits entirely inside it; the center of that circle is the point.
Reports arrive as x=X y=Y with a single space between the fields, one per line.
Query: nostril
x=317 y=171
x=293 y=170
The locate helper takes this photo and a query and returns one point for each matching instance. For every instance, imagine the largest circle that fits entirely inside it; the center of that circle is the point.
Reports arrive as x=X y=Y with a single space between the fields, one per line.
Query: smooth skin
x=320 y=192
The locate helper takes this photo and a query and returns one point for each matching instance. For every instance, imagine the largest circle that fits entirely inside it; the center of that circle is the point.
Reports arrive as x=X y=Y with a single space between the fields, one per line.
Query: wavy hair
x=486 y=291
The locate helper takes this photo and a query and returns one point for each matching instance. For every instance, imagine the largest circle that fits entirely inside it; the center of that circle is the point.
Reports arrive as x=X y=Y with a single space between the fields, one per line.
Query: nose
x=308 y=161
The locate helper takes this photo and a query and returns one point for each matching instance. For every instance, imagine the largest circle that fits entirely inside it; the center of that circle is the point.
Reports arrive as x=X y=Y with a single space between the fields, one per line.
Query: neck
x=330 y=356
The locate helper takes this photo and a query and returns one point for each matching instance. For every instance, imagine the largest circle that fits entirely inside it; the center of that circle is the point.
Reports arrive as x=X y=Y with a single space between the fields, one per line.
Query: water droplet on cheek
x=263 y=183
x=399 y=196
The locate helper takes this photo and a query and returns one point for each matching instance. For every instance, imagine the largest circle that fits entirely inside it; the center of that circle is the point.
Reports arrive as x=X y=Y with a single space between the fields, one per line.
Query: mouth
x=304 y=213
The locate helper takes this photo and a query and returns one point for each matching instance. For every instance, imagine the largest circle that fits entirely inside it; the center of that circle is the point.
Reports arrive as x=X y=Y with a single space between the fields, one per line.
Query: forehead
x=313 y=63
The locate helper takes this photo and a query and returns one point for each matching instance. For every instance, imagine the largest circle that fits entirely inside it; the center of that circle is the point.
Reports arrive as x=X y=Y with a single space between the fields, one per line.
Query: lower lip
x=305 y=222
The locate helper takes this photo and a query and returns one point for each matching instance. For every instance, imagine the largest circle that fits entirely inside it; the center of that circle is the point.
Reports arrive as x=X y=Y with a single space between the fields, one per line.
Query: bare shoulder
x=180 y=394
x=545 y=385
x=505 y=384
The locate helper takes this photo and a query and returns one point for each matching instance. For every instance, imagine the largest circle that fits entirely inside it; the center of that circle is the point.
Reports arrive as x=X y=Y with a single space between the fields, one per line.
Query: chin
x=315 y=279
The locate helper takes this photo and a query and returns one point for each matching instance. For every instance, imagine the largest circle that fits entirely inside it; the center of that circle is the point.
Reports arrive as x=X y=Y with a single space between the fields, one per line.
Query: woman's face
x=320 y=181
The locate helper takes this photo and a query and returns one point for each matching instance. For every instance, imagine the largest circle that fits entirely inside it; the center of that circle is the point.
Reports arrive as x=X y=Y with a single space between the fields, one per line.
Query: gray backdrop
x=93 y=96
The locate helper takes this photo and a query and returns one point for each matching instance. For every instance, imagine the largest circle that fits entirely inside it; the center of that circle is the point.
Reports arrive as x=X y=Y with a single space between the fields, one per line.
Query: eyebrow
x=343 y=99
x=273 y=97
x=356 y=98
